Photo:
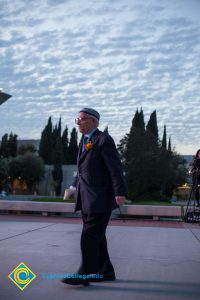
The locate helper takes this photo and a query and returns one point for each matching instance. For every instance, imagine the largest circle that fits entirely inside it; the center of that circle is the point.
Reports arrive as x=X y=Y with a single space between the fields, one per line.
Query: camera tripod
x=192 y=213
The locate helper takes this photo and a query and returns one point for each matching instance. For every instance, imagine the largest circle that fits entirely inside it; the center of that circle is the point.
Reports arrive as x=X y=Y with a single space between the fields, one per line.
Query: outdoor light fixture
x=3 y=97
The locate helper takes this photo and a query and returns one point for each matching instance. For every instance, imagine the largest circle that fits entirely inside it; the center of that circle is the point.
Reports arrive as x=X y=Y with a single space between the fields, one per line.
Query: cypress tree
x=134 y=154
x=164 y=164
x=152 y=133
x=164 y=139
x=135 y=141
x=151 y=158
x=130 y=141
x=46 y=146
x=54 y=139
x=151 y=169
x=73 y=147
x=57 y=152
x=59 y=127
x=141 y=123
x=169 y=145
x=106 y=129
x=57 y=172
x=57 y=175
x=58 y=149
x=65 y=145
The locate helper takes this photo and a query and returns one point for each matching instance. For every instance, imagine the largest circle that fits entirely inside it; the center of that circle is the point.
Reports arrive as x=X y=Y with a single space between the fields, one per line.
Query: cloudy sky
x=57 y=56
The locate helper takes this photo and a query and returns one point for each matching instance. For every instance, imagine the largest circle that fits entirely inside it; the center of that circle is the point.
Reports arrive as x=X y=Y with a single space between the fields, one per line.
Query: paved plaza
x=153 y=260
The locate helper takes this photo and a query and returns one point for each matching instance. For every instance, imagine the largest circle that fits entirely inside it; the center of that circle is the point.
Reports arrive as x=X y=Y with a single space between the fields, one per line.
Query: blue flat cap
x=91 y=111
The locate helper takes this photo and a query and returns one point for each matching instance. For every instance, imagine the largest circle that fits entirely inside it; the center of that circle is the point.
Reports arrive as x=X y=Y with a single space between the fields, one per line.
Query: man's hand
x=69 y=193
x=120 y=200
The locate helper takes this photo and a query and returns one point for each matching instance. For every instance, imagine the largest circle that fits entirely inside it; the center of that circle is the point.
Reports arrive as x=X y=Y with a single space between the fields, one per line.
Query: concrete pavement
x=153 y=260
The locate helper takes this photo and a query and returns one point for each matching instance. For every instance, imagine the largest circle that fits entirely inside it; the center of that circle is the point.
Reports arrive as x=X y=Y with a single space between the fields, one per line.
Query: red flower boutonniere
x=88 y=146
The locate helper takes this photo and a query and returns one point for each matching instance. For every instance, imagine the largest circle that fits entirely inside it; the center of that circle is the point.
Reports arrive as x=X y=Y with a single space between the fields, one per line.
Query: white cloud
x=57 y=56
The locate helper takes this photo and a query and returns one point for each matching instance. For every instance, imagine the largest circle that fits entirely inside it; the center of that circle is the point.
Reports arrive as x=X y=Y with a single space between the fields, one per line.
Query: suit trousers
x=95 y=257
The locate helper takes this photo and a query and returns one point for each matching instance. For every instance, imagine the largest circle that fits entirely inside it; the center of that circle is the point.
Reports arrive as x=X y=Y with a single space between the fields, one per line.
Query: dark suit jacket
x=100 y=176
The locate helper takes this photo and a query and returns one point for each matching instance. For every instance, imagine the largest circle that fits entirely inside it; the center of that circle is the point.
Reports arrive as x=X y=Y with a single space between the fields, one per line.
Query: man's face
x=85 y=123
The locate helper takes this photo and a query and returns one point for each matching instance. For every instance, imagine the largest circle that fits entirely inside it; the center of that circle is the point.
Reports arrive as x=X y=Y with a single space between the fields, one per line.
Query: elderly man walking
x=100 y=188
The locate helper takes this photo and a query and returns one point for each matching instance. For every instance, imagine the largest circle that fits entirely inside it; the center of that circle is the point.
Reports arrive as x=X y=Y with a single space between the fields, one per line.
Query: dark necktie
x=85 y=139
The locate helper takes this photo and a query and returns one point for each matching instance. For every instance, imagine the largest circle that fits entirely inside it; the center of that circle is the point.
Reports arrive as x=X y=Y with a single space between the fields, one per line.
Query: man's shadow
x=182 y=290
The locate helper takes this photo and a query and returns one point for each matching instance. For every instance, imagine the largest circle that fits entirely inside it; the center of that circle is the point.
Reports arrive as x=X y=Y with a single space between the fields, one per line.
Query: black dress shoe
x=76 y=281
x=109 y=276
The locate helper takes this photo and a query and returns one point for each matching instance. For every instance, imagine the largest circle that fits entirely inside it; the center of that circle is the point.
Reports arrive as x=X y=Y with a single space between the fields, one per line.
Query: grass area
x=152 y=202
x=135 y=202
x=52 y=199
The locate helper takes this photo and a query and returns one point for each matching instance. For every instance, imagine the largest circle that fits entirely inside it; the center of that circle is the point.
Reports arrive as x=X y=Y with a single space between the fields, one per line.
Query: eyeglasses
x=78 y=120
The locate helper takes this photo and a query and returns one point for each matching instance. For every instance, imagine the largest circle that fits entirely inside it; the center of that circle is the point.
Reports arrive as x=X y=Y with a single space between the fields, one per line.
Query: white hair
x=94 y=118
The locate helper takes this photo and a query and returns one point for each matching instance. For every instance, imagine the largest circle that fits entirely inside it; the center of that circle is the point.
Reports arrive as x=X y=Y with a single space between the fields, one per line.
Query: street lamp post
x=4 y=97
